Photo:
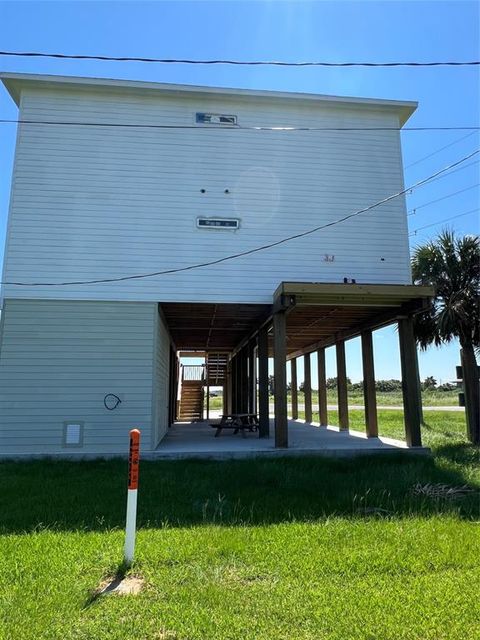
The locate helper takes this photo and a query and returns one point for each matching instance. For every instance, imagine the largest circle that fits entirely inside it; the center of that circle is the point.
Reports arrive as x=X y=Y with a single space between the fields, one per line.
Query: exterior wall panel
x=58 y=360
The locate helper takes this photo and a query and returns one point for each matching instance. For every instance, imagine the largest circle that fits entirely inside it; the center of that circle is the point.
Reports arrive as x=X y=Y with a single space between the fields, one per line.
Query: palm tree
x=452 y=266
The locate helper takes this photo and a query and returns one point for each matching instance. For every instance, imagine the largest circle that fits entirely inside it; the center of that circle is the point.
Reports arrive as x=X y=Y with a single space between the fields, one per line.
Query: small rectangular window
x=218 y=223
x=215 y=118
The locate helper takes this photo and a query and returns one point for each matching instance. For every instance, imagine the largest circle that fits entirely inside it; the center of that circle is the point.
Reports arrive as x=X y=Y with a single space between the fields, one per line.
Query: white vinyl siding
x=99 y=202
x=59 y=359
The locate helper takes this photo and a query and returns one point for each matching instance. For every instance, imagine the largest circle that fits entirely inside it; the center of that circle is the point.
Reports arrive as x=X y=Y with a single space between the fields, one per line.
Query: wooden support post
x=471 y=388
x=410 y=381
x=369 y=393
x=307 y=386
x=263 y=399
x=235 y=386
x=251 y=377
x=174 y=375
x=207 y=377
x=171 y=387
x=294 y=388
x=227 y=405
x=342 y=386
x=322 y=388
x=280 y=374
x=244 y=360
x=240 y=384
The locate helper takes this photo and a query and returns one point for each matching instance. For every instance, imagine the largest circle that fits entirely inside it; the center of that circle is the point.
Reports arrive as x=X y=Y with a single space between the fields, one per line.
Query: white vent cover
x=218 y=223
x=72 y=434
x=215 y=118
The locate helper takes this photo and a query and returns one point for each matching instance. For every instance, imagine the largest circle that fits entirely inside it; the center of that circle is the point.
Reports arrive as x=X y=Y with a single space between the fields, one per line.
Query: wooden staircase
x=191 y=396
x=191 y=401
x=194 y=379
x=216 y=369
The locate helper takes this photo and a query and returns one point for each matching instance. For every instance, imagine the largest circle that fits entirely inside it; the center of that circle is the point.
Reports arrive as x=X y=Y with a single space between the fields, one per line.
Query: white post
x=131 y=524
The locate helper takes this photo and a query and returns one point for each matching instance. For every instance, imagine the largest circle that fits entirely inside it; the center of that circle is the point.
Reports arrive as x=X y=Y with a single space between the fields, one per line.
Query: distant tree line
x=385 y=386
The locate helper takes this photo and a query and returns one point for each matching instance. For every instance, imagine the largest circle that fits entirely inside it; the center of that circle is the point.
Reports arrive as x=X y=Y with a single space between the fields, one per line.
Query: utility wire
x=412 y=164
x=133 y=125
x=277 y=63
x=248 y=251
x=434 y=224
x=446 y=175
x=449 y=195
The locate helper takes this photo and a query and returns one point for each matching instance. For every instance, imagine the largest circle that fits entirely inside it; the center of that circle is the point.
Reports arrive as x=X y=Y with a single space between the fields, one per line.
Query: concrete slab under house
x=118 y=263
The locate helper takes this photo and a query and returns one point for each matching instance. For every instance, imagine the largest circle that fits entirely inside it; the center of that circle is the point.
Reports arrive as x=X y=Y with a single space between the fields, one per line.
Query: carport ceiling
x=212 y=326
x=320 y=314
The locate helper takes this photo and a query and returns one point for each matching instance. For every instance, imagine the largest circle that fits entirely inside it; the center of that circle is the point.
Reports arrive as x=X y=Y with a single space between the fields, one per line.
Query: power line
x=449 y=195
x=277 y=63
x=412 y=164
x=472 y=164
x=434 y=224
x=133 y=125
x=248 y=251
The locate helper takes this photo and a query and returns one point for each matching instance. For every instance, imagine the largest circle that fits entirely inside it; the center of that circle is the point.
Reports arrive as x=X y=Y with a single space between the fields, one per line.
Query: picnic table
x=238 y=422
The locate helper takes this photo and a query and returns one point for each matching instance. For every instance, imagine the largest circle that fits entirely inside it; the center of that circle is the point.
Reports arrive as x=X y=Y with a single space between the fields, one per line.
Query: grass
x=302 y=548
x=392 y=398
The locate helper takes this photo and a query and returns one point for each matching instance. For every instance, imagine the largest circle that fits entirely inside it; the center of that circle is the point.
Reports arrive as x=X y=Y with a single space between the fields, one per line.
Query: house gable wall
x=105 y=202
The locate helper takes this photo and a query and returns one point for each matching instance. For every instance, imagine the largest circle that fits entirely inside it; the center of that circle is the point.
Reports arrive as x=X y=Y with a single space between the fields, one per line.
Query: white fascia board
x=14 y=82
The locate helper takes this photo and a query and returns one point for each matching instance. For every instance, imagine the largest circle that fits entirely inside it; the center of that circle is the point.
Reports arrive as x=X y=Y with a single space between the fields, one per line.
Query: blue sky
x=333 y=31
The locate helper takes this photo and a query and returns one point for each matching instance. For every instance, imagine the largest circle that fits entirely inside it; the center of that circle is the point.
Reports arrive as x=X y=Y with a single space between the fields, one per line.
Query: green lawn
x=303 y=548
x=393 y=398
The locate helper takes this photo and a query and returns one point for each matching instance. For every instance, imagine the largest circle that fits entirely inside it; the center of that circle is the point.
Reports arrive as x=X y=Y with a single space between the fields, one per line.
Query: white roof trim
x=14 y=82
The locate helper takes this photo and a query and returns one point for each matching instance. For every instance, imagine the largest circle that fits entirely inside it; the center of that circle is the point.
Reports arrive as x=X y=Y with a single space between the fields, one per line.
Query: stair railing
x=193 y=373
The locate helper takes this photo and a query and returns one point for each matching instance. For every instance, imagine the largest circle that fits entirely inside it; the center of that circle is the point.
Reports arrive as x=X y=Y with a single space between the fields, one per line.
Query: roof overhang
x=320 y=315
x=15 y=82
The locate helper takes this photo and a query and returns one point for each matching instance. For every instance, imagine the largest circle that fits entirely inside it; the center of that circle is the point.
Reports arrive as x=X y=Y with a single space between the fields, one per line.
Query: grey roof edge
x=14 y=83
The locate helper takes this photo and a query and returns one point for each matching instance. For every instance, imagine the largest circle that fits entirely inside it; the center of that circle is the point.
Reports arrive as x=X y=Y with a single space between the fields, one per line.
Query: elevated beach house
x=129 y=200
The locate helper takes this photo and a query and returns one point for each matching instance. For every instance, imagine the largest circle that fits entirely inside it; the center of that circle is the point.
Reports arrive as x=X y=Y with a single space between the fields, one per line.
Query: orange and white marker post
x=130 y=528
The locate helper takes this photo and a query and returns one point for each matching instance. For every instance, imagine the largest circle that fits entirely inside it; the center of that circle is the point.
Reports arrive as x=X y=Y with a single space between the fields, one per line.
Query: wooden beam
x=263 y=400
x=280 y=373
x=265 y=322
x=342 y=386
x=410 y=382
x=322 y=388
x=377 y=321
x=307 y=386
x=349 y=289
x=284 y=303
x=369 y=393
x=294 y=388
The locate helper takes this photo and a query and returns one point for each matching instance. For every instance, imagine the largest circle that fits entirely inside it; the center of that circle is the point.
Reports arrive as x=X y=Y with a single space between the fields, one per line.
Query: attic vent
x=215 y=118
x=218 y=223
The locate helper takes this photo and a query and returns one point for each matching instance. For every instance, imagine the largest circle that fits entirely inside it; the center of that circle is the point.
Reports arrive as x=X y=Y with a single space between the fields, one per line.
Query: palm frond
x=452 y=266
